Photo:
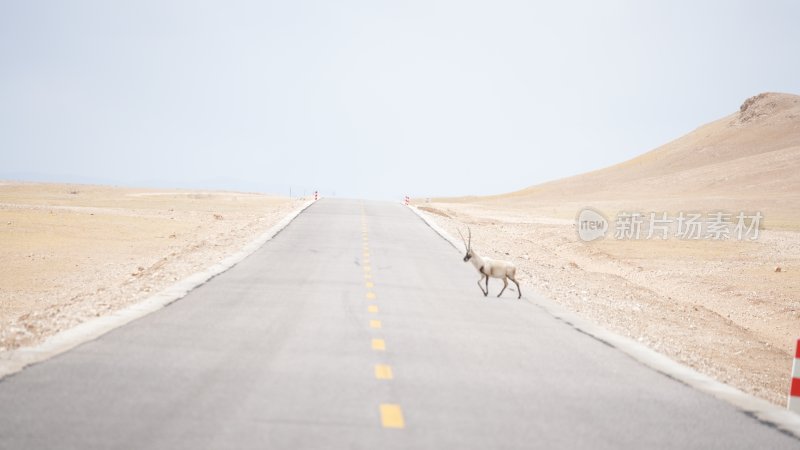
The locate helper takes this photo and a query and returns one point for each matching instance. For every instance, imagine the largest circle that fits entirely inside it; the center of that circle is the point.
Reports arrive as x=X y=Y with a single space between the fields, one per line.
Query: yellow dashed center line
x=378 y=344
x=392 y=416
x=383 y=372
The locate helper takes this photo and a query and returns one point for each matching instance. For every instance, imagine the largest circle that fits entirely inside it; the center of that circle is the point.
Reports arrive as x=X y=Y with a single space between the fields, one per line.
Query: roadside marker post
x=316 y=195
x=407 y=200
x=794 y=389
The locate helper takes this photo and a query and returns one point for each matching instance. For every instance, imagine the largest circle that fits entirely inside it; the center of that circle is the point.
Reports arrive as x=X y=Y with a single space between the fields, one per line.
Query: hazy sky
x=371 y=99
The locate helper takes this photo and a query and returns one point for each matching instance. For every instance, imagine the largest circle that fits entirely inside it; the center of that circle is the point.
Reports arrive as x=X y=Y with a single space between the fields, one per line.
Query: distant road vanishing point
x=359 y=327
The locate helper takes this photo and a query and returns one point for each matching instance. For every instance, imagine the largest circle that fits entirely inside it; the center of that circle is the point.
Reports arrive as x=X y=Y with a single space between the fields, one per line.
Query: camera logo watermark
x=591 y=225
x=717 y=226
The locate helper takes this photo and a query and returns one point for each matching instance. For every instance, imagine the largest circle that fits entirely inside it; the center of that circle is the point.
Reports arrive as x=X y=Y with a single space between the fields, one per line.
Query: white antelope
x=488 y=267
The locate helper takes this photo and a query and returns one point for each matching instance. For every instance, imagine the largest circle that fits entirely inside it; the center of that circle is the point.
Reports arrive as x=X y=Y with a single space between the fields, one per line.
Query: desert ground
x=73 y=252
x=726 y=307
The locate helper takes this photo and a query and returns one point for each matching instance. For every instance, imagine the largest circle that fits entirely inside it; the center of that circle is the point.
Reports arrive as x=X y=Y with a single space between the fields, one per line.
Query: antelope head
x=467 y=244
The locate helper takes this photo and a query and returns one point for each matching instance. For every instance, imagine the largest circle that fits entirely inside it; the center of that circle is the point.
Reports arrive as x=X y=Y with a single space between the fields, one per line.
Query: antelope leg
x=481 y=287
x=505 y=285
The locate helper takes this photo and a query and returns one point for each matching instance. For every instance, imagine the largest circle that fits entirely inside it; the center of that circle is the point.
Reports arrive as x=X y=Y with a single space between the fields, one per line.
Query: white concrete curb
x=762 y=410
x=14 y=361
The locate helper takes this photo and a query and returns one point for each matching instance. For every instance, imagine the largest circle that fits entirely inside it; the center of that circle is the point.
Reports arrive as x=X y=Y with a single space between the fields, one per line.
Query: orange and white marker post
x=794 y=389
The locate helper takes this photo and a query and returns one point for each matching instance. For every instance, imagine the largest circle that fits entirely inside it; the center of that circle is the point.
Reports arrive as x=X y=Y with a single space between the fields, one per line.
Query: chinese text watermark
x=717 y=225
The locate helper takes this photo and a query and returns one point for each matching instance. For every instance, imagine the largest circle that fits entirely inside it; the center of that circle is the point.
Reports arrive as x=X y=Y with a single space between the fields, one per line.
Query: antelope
x=488 y=267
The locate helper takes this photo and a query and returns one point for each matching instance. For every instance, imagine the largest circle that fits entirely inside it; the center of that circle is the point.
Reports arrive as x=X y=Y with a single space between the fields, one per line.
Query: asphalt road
x=358 y=327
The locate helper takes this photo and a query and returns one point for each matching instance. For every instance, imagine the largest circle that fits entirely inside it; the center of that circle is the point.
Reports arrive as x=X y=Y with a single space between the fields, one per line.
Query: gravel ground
x=719 y=307
x=71 y=253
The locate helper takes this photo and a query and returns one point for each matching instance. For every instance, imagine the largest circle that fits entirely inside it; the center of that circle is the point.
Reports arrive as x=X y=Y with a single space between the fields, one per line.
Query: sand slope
x=747 y=160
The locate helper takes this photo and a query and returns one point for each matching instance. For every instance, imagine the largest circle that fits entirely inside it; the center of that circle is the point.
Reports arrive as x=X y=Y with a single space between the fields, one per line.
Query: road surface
x=358 y=327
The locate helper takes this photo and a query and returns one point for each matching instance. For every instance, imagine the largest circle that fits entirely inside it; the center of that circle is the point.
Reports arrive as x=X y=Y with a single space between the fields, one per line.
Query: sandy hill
x=749 y=160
